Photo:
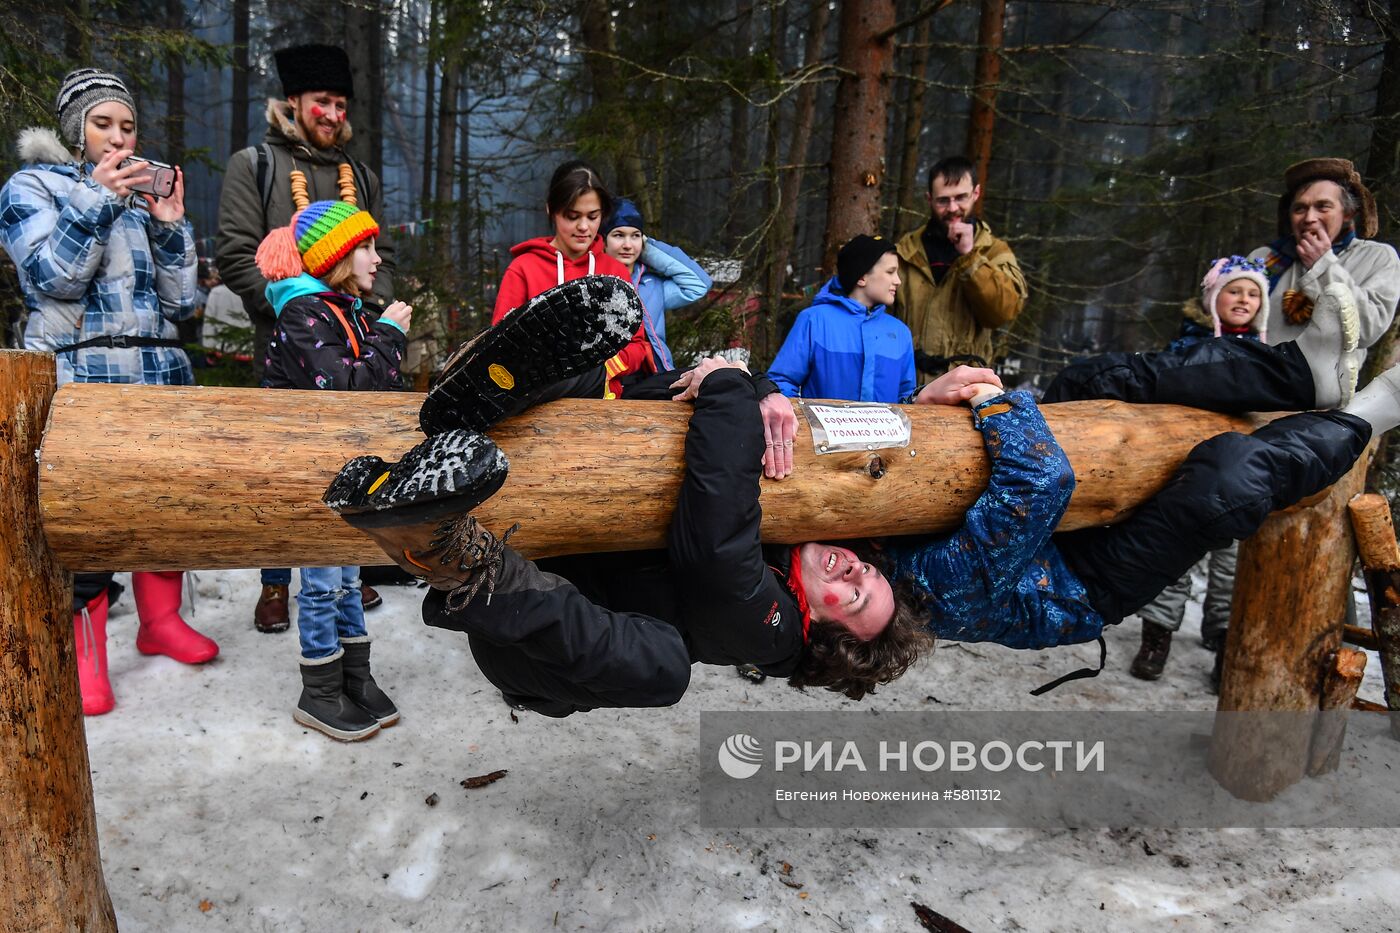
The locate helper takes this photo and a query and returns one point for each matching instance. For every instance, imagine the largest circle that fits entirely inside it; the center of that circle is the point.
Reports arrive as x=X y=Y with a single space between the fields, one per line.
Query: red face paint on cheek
x=830 y=599
x=317 y=111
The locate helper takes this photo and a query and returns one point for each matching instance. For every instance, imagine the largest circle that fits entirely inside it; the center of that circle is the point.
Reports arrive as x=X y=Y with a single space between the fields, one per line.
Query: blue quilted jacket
x=1000 y=577
x=92 y=265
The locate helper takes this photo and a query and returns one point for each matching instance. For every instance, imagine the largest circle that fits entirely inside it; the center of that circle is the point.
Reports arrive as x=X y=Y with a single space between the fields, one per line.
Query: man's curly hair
x=839 y=661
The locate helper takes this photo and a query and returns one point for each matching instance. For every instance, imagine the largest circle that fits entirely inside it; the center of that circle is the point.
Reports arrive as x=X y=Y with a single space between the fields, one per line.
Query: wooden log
x=147 y=477
x=1375 y=538
x=1291 y=583
x=1339 y=685
x=49 y=857
x=1375 y=532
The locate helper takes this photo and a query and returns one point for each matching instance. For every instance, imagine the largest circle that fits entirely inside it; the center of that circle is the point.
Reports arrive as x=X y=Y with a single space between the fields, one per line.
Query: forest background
x=1123 y=144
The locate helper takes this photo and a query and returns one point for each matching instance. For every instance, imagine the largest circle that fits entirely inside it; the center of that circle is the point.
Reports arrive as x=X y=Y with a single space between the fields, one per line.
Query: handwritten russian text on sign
x=858 y=426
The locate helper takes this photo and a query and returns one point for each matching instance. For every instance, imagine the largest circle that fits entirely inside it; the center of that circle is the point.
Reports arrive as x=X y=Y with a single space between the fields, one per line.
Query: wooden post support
x=164 y=478
x=49 y=863
x=1285 y=626
x=1380 y=557
x=1360 y=636
x=1375 y=532
x=1340 y=682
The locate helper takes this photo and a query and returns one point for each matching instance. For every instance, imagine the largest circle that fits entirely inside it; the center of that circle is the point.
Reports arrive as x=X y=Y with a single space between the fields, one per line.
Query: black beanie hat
x=858 y=257
x=314 y=68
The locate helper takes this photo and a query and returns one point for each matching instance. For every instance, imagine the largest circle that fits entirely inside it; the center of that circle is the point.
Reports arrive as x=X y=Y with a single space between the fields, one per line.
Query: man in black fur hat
x=302 y=159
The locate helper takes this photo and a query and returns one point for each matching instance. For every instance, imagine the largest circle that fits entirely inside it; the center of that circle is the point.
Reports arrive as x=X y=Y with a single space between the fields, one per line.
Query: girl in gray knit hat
x=106 y=271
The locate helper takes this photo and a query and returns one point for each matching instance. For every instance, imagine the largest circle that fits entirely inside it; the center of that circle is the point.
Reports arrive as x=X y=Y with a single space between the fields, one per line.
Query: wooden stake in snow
x=1380 y=556
x=1340 y=681
x=49 y=860
x=1285 y=631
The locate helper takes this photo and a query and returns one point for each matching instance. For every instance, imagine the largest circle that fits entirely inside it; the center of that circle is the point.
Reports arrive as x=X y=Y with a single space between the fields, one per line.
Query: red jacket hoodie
x=538 y=267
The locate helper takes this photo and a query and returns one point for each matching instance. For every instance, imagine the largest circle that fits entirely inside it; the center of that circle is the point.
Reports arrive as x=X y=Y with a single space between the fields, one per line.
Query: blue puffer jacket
x=666 y=279
x=92 y=265
x=838 y=348
x=1000 y=577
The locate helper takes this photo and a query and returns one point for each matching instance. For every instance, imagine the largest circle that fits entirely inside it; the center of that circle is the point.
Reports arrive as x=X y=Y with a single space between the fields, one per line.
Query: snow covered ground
x=217 y=811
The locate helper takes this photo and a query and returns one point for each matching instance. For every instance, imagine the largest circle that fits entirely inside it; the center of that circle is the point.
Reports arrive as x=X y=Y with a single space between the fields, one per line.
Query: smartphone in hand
x=162 y=177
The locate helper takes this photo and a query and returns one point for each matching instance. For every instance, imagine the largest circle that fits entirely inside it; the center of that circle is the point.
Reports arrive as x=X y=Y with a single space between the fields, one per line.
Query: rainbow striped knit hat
x=319 y=236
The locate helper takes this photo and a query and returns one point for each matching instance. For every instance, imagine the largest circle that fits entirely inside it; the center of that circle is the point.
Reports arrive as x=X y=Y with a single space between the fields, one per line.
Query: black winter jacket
x=329 y=341
x=714 y=582
x=734 y=608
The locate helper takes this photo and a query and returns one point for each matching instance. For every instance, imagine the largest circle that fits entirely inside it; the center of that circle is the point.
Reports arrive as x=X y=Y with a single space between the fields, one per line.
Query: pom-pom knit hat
x=1227 y=269
x=82 y=90
x=318 y=237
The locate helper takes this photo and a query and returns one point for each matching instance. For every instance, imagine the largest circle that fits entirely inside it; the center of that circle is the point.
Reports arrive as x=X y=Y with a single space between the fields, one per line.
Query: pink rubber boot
x=90 y=646
x=162 y=630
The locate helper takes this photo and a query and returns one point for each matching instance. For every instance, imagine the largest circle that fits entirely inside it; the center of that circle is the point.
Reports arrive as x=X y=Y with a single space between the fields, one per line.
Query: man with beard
x=302 y=159
x=959 y=282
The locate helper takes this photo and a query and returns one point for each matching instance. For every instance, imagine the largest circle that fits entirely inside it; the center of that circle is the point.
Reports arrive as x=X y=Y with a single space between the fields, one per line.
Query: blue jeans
x=329 y=609
x=282 y=577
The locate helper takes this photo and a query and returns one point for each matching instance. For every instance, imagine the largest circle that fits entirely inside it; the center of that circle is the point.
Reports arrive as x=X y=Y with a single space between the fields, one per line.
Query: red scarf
x=794 y=583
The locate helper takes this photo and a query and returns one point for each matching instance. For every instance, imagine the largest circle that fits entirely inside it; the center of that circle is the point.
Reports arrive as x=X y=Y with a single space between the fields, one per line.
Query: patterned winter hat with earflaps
x=1226 y=270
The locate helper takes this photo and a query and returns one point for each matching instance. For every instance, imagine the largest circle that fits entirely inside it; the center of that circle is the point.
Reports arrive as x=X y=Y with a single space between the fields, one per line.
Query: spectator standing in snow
x=106 y=272
x=845 y=346
x=577 y=204
x=326 y=337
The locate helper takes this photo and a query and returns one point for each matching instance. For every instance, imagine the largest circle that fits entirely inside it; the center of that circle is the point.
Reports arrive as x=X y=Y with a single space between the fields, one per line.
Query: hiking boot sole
x=446 y=475
x=558 y=334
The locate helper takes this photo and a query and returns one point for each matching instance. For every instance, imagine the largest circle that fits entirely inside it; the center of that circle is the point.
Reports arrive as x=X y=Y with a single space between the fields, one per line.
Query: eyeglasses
x=961 y=200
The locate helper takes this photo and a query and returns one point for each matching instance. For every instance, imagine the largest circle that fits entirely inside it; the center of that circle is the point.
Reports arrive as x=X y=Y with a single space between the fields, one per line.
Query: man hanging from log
x=824 y=616
x=627 y=631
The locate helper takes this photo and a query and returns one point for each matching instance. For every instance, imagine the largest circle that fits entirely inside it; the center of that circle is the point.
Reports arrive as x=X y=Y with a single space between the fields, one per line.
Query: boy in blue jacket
x=845 y=346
